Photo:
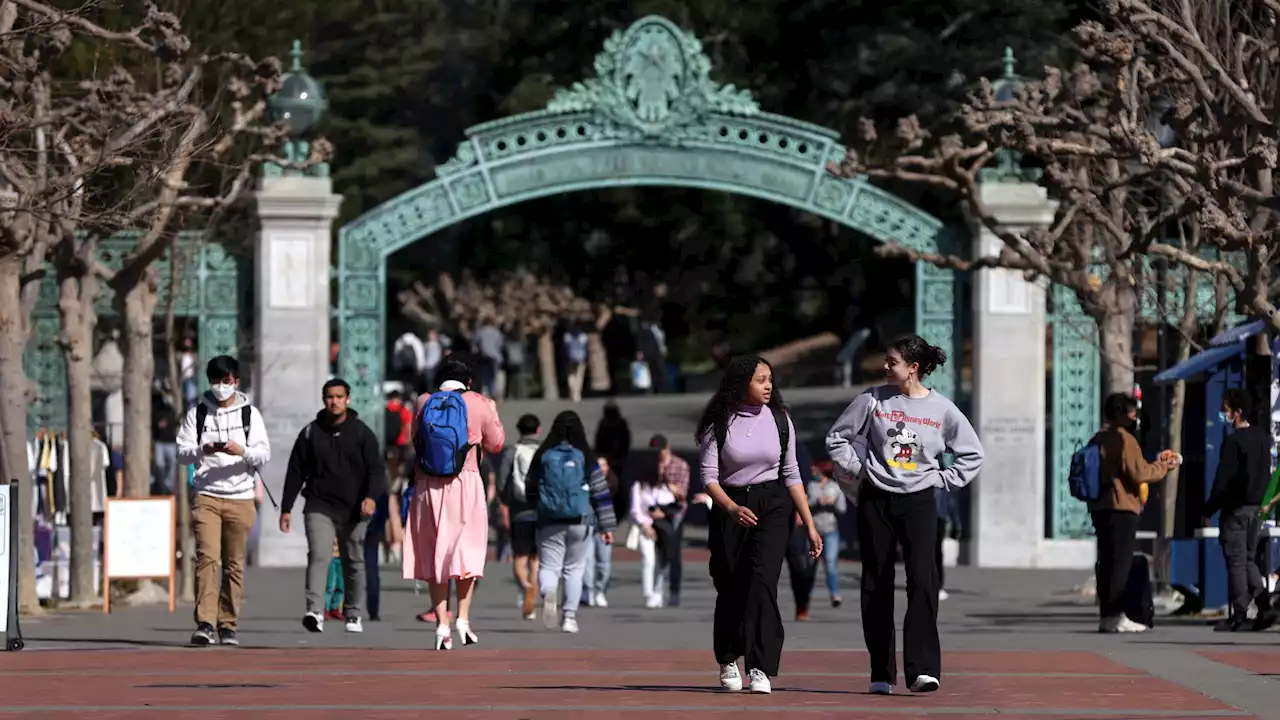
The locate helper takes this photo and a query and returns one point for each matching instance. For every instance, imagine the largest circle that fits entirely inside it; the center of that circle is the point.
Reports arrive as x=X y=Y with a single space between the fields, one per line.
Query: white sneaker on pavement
x=354 y=625
x=730 y=677
x=550 y=611
x=759 y=682
x=570 y=625
x=925 y=684
x=313 y=621
x=601 y=601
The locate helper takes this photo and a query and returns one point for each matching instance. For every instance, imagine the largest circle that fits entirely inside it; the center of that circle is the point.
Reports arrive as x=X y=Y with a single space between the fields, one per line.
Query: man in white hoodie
x=225 y=438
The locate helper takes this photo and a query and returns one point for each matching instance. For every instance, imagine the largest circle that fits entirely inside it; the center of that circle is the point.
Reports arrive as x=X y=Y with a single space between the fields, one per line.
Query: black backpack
x=391 y=427
x=202 y=413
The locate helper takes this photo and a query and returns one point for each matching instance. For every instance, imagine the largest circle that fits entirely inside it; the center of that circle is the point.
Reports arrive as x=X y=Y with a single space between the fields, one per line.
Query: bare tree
x=1083 y=128
x=1216 y=65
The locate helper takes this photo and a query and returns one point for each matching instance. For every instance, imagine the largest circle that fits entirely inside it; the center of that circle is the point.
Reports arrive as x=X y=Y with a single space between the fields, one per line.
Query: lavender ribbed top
x=750 y=452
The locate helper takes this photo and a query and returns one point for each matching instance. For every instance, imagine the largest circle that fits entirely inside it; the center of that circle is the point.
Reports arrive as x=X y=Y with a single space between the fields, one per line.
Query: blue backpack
x=1085 y=478
x=562 y=488
x=441 y=442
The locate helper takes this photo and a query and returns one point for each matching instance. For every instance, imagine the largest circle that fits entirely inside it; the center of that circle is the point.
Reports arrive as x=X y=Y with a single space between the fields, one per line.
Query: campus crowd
x=894 y=451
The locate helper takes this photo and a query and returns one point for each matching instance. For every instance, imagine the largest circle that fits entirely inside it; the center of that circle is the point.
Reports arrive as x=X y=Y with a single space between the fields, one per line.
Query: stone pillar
x=291 y=335
x=1009 y=404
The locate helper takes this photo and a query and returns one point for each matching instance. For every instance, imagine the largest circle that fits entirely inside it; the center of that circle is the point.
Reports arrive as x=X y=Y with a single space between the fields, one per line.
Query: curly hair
x=731 y=395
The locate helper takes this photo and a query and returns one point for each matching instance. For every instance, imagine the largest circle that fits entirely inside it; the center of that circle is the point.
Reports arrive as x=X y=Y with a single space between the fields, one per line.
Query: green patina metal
x=209 y=290
x=651 y=116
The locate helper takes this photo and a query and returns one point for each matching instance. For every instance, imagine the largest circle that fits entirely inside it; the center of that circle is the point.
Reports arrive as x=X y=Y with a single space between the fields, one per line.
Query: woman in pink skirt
x=447 y=536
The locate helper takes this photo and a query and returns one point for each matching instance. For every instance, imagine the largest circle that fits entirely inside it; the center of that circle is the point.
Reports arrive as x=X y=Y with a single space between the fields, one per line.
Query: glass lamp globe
x=300 y=102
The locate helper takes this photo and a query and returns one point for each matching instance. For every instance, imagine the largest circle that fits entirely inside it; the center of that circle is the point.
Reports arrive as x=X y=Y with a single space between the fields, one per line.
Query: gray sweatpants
x=562 y=552
x=321 y=532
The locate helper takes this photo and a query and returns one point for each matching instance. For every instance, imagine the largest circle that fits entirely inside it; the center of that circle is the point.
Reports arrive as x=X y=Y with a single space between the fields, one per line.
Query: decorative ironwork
x=210 y=291
x=651 y=117
x=1077 y=400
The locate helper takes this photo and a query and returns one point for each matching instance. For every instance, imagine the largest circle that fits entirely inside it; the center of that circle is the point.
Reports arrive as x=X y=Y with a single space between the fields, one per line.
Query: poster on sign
x=140 y=542
x=9 y=629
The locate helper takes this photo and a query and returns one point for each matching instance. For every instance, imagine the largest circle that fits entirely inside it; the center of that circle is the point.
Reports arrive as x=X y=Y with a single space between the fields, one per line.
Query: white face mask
x=222 y=391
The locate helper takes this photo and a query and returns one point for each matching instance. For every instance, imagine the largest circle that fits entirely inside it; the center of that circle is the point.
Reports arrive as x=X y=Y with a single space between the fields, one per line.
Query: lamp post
x=1008 y=165
x=300 y=104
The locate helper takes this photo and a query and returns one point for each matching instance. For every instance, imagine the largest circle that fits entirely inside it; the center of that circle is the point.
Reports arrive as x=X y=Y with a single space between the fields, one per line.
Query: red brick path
x=475 y=683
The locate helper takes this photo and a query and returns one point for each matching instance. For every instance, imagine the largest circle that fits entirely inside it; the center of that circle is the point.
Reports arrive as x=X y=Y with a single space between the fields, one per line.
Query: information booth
x=1197 y=563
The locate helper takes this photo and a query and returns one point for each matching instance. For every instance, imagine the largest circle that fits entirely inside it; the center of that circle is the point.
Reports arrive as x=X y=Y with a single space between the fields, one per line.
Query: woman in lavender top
x=887 y=448
x=749 y=469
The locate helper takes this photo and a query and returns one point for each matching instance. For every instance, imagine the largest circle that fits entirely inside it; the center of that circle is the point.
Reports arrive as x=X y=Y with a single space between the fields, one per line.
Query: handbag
x=633 y=537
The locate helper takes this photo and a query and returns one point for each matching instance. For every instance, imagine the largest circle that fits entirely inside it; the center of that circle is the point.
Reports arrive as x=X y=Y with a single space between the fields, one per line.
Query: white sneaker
x=1125 y=625
x=730 y=677
x=942 y=594
x=653 y=602
x=1120 y=624
x=880 y=688
x=354 y=625
x=313 y=621
x=759 y=682
x=570 y=625
x=600 y=600
x=925 y=684
x=550 y=611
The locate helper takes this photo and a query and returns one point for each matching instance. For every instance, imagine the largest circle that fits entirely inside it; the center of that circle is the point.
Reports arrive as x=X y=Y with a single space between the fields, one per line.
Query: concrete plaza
x=1017 y=644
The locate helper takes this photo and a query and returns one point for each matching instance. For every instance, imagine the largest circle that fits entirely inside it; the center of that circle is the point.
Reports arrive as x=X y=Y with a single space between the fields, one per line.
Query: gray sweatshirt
x=826 y=517
x=897 y=441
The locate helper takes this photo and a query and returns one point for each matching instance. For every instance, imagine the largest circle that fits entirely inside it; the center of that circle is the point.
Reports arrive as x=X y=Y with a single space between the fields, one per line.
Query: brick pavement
x=1014 y=647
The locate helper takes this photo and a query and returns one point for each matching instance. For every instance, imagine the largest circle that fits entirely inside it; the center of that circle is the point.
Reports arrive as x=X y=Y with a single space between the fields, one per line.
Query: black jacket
x=335 y=466
x=1244 y=470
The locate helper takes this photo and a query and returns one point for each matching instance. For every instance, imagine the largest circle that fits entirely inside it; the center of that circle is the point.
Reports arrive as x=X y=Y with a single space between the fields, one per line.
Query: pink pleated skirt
x=447 y=534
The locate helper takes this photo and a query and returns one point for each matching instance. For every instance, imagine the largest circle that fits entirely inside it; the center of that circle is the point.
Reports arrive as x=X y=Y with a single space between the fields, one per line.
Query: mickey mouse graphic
x=902 y=447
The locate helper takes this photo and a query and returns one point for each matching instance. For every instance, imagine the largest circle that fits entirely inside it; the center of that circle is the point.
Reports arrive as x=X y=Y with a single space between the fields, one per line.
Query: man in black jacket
x=337 y=466
x=1244 y=471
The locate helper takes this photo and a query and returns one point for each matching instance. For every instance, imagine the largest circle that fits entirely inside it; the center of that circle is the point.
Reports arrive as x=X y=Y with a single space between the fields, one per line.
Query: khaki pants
x=221 y=528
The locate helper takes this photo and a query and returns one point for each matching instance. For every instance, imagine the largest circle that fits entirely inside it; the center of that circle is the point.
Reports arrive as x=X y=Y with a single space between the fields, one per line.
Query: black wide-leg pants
x=886 y=519
x=746 y=563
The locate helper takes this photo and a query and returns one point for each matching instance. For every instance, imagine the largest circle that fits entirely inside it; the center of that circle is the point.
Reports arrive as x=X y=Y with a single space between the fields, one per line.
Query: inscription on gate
x=595 y=165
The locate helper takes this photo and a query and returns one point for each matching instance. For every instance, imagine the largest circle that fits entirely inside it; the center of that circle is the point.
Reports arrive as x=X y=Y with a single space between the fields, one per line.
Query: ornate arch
x=651 y=116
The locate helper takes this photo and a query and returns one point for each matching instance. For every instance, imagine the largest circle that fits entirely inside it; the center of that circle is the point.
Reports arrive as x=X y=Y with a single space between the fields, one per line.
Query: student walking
x=566 y=485
x=447 y=535
x=599 y=561
x=673 y=473
x=748 y=467
x=337 y=467
x=893 y=436
x=1244 y=472
x=827 y=503
x=516 y=512
x=1122 y=472
x=225 y=438
x=653 y=508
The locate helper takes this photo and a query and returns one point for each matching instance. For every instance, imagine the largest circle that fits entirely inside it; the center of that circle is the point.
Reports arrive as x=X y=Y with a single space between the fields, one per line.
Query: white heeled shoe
x=444 y=637
x=464 y=632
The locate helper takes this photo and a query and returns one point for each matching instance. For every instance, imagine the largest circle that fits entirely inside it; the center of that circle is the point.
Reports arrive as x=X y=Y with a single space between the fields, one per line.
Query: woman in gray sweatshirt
x=887 y=448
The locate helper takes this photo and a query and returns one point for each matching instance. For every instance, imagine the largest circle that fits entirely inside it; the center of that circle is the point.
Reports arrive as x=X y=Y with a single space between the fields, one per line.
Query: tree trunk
x=598 y=364
x=13 y=424
x=547 y=366
x=78 y=290
x=1115 y=329
x=186 y=566
x=139 y=358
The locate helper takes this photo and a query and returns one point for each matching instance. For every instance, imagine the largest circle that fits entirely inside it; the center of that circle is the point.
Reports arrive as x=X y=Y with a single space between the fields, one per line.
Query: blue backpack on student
x=1085 y=477
x=562 y=488
x=441 y=442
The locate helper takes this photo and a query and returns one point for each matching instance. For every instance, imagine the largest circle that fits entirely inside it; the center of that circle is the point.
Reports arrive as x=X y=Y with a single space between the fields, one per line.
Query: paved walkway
x=1015 y=646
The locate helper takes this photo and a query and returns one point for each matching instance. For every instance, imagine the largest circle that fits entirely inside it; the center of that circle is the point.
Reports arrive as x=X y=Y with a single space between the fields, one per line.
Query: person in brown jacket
x=1115 y=513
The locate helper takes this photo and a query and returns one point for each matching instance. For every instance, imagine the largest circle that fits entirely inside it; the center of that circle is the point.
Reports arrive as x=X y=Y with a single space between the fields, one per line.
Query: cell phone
x=219 y=446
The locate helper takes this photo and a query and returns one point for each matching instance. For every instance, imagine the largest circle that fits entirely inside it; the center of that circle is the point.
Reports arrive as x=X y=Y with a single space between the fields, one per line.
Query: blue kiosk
x=1197 y=563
